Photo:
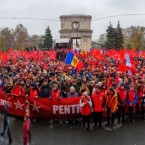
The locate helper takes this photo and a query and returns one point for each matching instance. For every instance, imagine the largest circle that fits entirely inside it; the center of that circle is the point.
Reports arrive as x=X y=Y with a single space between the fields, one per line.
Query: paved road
x=70 y=134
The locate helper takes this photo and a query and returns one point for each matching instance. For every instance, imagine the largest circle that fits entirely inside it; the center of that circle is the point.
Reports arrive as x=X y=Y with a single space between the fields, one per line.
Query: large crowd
x=54 y=79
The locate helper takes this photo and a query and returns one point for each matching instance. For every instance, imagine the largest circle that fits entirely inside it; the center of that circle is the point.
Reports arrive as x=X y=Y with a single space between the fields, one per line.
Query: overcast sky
x=52 y=9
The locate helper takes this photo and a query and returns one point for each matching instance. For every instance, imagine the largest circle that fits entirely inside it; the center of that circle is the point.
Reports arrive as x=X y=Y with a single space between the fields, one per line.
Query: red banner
x=41 y=107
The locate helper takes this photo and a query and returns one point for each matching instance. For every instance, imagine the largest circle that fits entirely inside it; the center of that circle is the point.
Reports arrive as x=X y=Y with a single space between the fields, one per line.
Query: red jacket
x=112 y=101
x=85 y=106
x=18 y=90
x=132 y=98
x=55 y=94
x=122 y=97
x=1 y=89
x=140 y=95
x=33 y=93
x=98 y=101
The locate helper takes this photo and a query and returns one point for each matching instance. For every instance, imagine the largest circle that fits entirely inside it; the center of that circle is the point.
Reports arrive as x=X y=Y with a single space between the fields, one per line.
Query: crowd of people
x=100 y=84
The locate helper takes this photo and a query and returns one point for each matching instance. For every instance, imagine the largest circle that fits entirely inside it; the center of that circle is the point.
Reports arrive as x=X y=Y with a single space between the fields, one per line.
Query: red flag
x=116 y=79
x=52 y=54
x=80 y=65
x=109 y=80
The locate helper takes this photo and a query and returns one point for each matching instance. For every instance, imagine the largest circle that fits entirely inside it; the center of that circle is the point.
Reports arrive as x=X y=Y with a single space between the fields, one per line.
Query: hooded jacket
x=112 y=101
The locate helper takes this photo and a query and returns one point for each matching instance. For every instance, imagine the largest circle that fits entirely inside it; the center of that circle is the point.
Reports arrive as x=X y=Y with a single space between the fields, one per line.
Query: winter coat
x=112 y=101
x=132 y=98
x=98 y=101
x=85 y=106
x=18 y=90
x=122 y=97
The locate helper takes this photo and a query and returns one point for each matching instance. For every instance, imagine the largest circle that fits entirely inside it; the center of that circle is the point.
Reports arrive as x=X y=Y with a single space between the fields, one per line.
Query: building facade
x=78 y=29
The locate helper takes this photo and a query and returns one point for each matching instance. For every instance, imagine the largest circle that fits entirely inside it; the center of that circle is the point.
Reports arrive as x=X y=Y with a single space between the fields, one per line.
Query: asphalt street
x=72 y=134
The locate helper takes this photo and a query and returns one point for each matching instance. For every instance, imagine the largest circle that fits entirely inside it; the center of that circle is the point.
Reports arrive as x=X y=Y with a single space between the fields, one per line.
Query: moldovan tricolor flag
x=73 y=60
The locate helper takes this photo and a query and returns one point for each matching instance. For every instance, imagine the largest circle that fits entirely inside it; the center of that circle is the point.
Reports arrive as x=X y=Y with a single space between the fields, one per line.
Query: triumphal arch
x=78 y=29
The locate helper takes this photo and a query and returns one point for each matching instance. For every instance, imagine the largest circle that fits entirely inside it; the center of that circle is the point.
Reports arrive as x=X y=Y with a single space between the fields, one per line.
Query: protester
x=85 y=109
x=72 y=93
x=6 y=124
x=46 y=75
x=111 y=104
x=55 y=93
x=132 y=99
x=122 y=102
x=26 y=128
x=34 y=91
x=98 y=101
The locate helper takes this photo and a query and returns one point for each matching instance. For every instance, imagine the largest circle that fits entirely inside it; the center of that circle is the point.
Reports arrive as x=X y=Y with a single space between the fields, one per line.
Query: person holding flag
x=98 y=101
x=26 y=126
x=5 y=123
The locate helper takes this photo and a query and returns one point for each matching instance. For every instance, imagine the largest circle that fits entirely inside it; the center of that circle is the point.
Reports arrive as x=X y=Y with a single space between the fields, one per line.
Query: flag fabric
x=116 y=79
x=80 y=65
x=73 y=60
x=109 y=80
x=69 y=57
x=128 y=62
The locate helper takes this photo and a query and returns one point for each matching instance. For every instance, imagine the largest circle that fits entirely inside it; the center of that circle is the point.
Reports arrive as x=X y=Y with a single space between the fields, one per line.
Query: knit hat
x=72 y=88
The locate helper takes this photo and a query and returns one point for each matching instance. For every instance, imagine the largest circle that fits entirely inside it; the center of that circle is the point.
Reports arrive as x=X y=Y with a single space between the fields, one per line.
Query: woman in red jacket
x=85 y=109
x=98 y=101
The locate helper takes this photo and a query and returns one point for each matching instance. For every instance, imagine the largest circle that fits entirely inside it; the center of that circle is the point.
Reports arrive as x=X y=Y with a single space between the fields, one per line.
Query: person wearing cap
x=85 y=109
x=111 y=104
x=122 y=101
x=98 y=101
x=72 y=93
x=132 y=98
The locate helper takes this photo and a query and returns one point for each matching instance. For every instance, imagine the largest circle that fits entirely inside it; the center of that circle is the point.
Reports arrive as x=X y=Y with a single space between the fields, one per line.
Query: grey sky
x=52 y=9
